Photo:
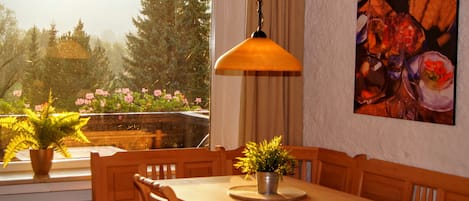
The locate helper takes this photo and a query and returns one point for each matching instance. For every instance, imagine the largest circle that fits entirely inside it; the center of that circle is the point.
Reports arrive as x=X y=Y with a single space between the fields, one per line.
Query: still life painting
x=406 y=56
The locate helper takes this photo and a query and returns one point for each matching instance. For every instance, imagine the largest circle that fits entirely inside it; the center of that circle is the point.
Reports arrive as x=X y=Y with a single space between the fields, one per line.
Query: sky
x=100 y=17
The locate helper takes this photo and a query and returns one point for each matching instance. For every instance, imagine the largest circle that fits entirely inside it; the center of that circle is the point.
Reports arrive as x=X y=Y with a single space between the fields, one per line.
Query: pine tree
x=151 y=48
x=70 y=73
x=170 y=49
x=53 y=71
x=101 y=72
x=32 y=82
x=193 y=28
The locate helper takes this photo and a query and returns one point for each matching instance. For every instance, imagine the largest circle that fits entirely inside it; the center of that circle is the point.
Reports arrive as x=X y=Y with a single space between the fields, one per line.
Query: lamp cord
x=259 y=33
x=260 y=15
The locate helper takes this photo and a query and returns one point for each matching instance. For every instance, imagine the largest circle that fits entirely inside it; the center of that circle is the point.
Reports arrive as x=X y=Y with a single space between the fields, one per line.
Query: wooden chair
x=229 y=158
x=386 y=181
x=112 y=176
x=382 y=181
x=150 y=188
x=336 y=169
x=307 y=160
x=431 y=185
x=325 y=167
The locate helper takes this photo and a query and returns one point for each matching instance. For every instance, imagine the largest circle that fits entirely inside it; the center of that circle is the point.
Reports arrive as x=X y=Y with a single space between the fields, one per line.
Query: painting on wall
x=406 y=56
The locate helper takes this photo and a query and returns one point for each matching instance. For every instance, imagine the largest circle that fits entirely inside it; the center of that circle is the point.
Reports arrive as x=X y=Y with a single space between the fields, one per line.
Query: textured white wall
x=329 y=85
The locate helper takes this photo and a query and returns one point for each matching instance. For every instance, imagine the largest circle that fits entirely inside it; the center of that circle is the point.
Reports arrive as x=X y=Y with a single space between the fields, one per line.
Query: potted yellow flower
x=269 y=160
x=42 y=133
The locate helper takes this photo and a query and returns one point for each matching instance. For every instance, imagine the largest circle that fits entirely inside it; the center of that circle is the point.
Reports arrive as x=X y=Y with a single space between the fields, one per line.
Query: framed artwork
x=406 y=56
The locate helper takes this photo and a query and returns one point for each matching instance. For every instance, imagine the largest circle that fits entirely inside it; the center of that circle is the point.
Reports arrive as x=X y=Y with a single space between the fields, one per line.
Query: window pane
x=139 y=69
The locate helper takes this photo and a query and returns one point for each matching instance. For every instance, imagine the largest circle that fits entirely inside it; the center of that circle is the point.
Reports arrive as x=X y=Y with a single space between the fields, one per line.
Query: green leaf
x=266 y=157
x=43 y=131
x=17 y=143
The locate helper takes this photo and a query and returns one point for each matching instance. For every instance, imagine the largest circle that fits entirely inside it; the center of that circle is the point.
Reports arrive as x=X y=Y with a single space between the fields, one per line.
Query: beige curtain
x=272 y=102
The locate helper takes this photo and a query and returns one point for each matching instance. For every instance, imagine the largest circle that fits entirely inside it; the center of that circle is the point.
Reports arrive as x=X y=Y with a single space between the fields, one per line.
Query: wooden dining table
x=221 y=188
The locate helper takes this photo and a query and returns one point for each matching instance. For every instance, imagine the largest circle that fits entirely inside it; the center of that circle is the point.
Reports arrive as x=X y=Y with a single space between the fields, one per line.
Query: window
x=141 y=72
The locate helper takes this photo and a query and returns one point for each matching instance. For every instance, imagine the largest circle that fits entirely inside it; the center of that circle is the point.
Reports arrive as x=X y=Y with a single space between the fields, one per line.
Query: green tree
x=32 y=82
x=114 y=52
x=193 y=53
x=52 y=71
x=12 y=60
x=170 y=49
x=72 y=67
x=101 y=67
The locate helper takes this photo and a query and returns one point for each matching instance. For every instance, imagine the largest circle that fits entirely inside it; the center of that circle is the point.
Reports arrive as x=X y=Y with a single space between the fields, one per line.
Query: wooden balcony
x=141 y=131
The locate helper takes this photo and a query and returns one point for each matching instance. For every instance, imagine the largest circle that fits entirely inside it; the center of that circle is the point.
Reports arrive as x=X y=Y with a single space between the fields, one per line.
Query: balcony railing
x=139 y=131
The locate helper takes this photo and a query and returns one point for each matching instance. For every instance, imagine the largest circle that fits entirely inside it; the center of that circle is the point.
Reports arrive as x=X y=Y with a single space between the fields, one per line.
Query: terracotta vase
x=267 y=182
x=41 y=161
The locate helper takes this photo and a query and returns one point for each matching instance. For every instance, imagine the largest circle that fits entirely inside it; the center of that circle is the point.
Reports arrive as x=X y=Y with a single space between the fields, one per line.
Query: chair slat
x=148 y=188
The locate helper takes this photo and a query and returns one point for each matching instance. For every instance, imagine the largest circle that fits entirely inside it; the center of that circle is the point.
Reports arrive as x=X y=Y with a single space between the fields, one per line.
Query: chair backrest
x=336 y=169
x=333 y=169
x=379 y=180
x=112 y=176
x=307 y=160
x=229 y=157
x=149 y=188
x=382 y=180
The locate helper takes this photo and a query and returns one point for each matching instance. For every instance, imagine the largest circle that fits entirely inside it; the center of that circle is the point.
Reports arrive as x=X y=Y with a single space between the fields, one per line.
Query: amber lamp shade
x=258 y=54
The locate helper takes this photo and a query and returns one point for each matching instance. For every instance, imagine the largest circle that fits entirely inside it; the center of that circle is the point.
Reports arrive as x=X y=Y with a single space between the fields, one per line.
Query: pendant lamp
x=258 y=53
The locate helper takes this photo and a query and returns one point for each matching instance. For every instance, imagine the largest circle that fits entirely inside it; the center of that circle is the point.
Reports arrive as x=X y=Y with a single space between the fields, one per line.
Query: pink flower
x=125 y=90
x=89 y=96
x=80 y=101
x=17 y=93
x=157 y=93
x=38 y=108
x=144 y=90
x=198 y=100
x=129 y=98
x=101 y=92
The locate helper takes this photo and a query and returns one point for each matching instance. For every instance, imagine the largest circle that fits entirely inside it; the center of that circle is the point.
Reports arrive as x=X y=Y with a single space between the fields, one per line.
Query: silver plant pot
x=267 y=182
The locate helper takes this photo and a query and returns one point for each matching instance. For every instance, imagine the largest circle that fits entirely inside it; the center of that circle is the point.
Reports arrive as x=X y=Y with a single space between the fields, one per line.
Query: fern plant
x=43 y=130
x=266 y=157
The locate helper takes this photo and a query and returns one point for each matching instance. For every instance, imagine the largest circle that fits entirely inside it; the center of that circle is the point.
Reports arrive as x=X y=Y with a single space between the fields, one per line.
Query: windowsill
x=67 y=179
x=61 y=175
x=63 y=170
x=66 y=174
x=32 y=188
